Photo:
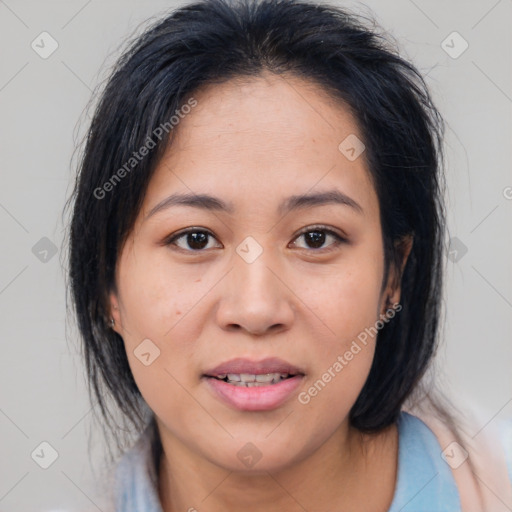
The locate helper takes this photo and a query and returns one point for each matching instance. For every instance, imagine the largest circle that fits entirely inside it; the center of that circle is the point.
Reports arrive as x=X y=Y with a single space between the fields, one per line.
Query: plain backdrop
x=43 y=397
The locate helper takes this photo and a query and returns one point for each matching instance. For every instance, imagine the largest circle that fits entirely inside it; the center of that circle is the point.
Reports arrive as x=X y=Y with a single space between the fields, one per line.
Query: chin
x=256 y=464
x=257 y=457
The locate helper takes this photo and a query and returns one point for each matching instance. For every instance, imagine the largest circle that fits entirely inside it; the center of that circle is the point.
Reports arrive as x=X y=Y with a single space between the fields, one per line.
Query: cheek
x=346 y=300
x=341 y=368
x=349 y=307
x=156 y=302
x=155 y=294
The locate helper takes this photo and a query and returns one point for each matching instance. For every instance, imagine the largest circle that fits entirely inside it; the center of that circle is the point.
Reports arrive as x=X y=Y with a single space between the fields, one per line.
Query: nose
x=256 y=297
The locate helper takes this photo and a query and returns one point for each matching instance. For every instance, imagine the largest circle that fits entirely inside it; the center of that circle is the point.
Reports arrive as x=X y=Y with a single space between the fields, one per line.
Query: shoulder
x=136 y=487
x=478 y=454
x=424 y=481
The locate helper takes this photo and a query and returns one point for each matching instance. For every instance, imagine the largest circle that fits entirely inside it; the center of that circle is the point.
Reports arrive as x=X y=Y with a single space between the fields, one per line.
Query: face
x=259 y=283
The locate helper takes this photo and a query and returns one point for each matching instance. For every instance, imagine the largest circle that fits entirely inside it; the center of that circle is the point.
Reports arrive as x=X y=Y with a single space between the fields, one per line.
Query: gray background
x=42 y=389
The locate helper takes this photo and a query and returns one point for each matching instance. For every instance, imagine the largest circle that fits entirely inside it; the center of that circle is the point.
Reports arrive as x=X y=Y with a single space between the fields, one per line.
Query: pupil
x=316 y=237
x=197 y=240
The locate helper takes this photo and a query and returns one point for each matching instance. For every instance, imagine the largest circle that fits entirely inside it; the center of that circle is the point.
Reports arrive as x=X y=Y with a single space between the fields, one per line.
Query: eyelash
x=323 y=229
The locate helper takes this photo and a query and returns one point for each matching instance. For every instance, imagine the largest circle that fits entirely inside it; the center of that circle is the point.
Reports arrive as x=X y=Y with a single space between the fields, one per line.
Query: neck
x=338 y=475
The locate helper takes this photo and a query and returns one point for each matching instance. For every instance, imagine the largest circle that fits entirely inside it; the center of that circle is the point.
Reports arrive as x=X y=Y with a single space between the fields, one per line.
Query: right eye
x=192 y=240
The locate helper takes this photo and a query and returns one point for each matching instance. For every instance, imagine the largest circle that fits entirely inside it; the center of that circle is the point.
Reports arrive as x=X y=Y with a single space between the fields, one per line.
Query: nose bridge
x=252 y=273
x=255 y=276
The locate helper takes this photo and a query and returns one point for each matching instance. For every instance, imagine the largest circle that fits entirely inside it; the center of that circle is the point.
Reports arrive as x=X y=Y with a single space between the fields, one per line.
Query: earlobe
x=114 y=318
x=404 y=247
x=392 y=293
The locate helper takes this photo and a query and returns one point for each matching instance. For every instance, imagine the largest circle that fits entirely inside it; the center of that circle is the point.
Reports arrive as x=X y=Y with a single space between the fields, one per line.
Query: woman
x=256 y=268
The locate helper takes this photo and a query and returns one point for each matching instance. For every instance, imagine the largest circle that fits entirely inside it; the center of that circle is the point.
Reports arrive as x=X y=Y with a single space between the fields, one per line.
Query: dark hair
x=212 y=41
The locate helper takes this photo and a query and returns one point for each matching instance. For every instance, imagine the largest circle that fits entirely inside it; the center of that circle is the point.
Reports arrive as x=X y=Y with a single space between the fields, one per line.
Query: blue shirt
x=424 y=481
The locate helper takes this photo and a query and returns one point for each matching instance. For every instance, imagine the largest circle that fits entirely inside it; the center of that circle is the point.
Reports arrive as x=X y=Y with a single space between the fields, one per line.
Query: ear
x=392 y=291
x=115 y=312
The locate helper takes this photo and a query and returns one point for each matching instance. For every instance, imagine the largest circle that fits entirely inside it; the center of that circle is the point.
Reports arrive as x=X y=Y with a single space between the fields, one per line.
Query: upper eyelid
x=321 y=227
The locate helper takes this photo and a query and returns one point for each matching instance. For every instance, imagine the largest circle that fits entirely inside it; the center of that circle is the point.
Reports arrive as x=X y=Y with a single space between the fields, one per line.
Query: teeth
x=266 y=377
x=250 y=380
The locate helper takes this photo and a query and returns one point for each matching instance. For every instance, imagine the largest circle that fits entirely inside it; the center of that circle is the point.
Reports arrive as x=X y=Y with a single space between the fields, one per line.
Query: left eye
x=316 y=237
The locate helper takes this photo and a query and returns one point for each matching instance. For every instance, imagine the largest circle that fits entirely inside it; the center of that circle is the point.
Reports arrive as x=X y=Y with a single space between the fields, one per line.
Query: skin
x=255 y=142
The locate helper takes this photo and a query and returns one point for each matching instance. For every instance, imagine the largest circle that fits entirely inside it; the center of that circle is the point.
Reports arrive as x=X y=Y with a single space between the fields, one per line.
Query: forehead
x=262 y=137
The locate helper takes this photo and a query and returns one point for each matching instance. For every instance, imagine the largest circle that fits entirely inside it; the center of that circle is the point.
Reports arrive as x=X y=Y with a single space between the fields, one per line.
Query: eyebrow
x=292 y=203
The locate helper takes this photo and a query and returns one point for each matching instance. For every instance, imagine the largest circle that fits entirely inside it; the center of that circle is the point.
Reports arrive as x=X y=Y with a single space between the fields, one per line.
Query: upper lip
x=241 y=365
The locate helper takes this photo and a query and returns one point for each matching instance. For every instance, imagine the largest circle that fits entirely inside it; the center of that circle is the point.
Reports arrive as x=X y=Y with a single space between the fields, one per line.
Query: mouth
x=254 y=385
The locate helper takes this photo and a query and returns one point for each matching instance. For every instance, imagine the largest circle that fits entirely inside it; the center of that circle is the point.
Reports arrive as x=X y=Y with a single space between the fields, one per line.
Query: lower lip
x=255 y=398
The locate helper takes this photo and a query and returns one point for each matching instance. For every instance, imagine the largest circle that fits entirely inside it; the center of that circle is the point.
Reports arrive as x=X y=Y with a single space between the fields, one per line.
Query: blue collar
x=424 y=484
